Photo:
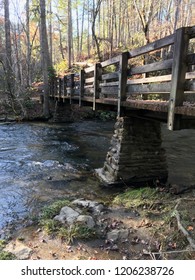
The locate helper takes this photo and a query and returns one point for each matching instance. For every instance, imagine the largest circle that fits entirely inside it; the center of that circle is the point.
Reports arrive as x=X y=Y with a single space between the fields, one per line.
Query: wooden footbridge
x=145 y=86
x=163 y=89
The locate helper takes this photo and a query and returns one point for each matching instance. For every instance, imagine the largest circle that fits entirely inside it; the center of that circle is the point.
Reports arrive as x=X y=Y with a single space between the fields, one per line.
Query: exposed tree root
x=180 y=226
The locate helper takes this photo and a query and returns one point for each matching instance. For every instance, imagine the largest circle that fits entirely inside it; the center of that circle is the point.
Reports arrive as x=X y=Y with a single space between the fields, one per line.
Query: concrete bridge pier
x=135 y=154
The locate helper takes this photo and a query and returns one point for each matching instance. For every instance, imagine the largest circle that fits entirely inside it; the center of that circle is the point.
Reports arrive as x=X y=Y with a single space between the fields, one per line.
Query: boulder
x=21 y=251
x=67 y=215
x=86 y=221
x=94 y=206
x=118 y=234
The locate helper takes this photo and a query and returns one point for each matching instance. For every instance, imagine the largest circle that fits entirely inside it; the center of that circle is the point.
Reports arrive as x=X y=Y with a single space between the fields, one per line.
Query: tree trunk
x=8 y=50
x=78 y=39
x=28 y=47
x=95 y=14
x=69 y=34
x=61 y=45
x=88 y=35
x=50 y=33
x=45 y=58
x=82 y=26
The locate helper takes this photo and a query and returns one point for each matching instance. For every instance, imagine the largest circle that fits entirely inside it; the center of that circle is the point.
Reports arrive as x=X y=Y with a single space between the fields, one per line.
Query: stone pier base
x=135 y=154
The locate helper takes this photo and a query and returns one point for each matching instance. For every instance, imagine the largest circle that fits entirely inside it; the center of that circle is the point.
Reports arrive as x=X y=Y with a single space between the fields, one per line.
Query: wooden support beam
x=122 y=80
x=97 y=79
x=178 y=76
x=82 y=84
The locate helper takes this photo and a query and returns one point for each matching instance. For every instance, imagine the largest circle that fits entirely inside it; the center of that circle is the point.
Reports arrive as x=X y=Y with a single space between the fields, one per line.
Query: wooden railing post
x=179 y=69
x=54 y=87
x=71 y=87
x=59 y=88
x=82 y=84
x=64 y=86
x=97 y=78
x=122 y=80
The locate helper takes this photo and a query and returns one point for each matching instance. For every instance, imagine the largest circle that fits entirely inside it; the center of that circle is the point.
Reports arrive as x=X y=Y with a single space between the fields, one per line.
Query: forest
x=42 y=38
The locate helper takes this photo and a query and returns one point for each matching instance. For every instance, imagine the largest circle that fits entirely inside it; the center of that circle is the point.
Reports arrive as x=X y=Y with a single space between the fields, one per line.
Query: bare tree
x=145 y=13
x=8 y=50
x=95 y=13
x=69 y=33
x=28 y=47
x=45 y=57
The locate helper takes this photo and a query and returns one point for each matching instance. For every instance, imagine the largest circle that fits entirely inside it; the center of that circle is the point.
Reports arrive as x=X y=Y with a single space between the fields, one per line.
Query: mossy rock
x=49 y=212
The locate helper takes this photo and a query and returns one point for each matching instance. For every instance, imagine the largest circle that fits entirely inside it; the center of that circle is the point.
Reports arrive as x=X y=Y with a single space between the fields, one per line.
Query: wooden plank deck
x=187 y=109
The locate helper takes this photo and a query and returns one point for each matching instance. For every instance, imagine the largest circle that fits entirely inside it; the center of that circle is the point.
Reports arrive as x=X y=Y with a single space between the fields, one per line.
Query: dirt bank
x=139 y=224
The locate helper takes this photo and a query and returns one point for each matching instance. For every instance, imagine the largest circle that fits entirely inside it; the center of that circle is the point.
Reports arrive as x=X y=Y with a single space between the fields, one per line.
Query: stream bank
x=55 y=161
x=138 y=224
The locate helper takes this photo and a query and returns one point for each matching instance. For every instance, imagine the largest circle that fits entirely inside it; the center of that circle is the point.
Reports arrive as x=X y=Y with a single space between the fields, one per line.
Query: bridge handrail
x=126 y=81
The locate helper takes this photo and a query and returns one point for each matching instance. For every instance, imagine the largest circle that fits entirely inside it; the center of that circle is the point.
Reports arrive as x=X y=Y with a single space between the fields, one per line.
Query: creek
x=42 y=162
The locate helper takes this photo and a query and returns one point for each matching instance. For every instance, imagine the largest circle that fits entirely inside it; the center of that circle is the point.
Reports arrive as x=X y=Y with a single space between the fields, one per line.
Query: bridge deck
x=187 y=109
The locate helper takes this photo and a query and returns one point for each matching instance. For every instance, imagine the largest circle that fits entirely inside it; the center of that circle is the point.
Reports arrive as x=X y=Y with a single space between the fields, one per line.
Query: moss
x=65 y=232
x=50 y=226
x=148 y=199
x=2 y=244
x=7 y=256
x=136 y=197
x=69 y=234
x=49 y=212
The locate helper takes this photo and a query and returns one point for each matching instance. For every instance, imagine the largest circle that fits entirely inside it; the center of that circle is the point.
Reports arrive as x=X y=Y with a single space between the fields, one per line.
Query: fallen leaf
x=190 y=228
x=172 y=245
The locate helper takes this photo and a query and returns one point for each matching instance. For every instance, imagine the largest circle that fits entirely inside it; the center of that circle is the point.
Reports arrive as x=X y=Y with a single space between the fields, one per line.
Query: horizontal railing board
x=110 y=61
x=190 y=75
x=88 y=86
x=89 y=69
x=152 y=67
x=89 y=80
x=163 y=78
x=108 y=90
x=149 y=88
x=169 y=40
x=109 y=84
x=110 y=76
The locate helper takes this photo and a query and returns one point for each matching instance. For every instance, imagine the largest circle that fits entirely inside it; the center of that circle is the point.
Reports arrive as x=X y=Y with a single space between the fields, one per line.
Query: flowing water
x=41 y=162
